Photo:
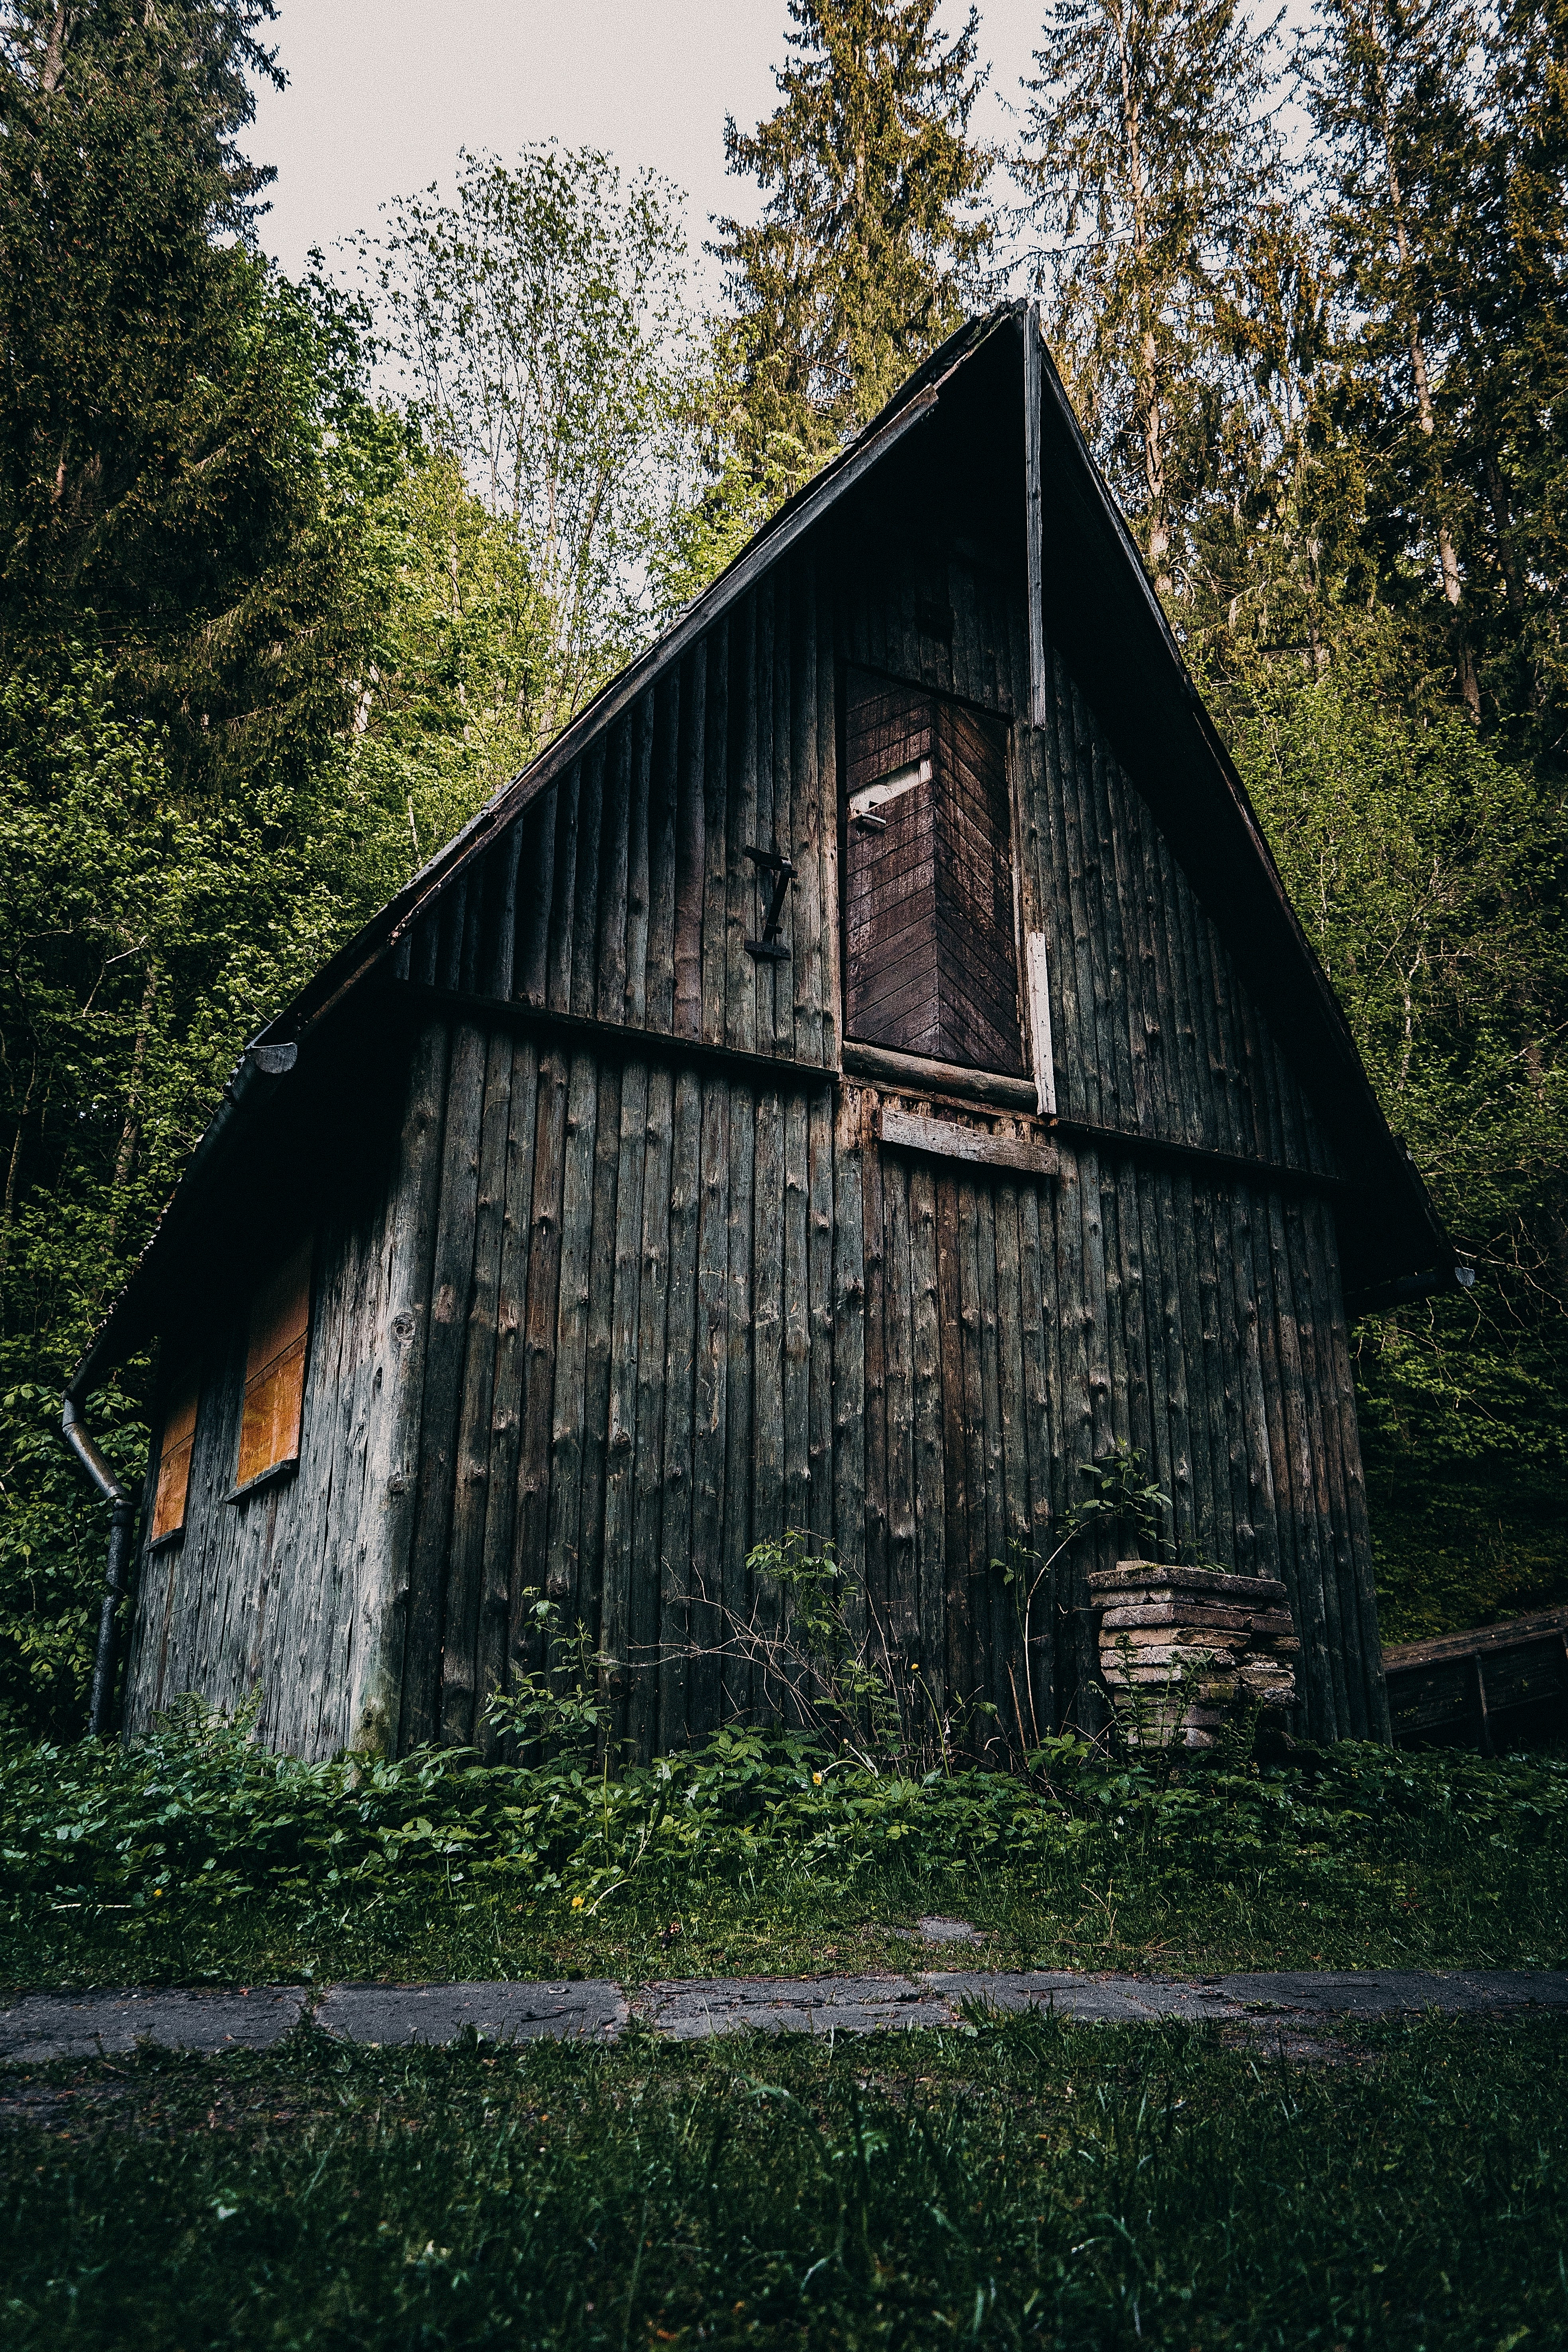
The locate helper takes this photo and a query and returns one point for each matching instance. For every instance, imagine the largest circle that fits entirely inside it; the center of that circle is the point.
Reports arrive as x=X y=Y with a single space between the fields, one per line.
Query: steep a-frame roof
x=1100 y=612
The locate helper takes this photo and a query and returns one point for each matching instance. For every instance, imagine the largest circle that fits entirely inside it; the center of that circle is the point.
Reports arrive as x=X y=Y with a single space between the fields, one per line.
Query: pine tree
x=872 y=245
x=1148 y=144
x=1391 y=86
x=161 y=433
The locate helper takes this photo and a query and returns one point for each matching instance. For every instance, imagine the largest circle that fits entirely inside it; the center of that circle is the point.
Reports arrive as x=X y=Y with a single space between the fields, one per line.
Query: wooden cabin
x=864 y=1071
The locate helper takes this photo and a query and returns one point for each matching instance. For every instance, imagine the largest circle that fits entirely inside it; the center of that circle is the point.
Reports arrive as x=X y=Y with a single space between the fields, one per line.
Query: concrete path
x=43 y=2026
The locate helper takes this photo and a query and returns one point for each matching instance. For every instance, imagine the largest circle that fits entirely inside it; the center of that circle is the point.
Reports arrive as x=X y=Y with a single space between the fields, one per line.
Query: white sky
x=384 y=92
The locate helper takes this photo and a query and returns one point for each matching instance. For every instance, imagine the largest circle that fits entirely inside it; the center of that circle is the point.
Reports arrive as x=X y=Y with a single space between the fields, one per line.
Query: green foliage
x=1428 y=873
x=1024 y=2183
x=173 y=1858
x=1149 y=159
x=538 y=326
x=873 y=244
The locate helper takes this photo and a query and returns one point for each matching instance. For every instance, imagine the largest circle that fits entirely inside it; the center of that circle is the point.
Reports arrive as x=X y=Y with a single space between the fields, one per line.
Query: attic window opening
x=273 y=1410
x=931 y=951
x=175 y=1452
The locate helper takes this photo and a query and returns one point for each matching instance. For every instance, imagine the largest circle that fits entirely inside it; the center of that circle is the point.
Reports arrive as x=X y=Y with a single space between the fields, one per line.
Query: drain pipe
x=121 y=1513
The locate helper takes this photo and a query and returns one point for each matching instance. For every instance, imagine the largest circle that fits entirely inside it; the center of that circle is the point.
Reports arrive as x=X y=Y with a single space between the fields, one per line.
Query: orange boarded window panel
x=275 y=1369
x=174 y=1457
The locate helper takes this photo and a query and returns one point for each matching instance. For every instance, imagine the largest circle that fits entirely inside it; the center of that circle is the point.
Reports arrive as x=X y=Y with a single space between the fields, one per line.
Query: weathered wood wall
x=627 y=1309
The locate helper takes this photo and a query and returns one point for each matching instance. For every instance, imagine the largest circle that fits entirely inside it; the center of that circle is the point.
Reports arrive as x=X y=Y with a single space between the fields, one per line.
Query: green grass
x=1027 y=2183
x=201 y=1858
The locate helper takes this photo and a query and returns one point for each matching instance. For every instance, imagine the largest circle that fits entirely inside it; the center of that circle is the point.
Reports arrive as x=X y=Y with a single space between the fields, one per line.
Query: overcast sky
x=381 y=94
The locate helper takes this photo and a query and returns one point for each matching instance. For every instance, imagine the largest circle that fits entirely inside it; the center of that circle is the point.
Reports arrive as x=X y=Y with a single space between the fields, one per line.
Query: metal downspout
x=121 y=1513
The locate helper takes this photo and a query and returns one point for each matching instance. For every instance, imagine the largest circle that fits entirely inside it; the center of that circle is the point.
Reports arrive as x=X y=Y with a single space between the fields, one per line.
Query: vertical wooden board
x=1104 y=1344
x=819 y=1309
x=1262 y=1463
x=1013 y=1407
x=1090 y=1079
x=1191 y=1115
x=564 y=905
x=1342 y=1381
x=663 y=802
x=582 y=990
x=1176 y=1358
x=691 y=843
x=465 y=1562
x=797 y=1318
x=536 y=896
x=675 y=1536
x=768 y=1506
x=495 y=977
x=1216 y=1371
x=508 y=1381
x=614 y=873
x=1047 y=1471
x=1043 y=747
x=766 y=823
x=1279 y=1365
x=601 y=1319
x=704 y=1708
x=740 y=830
x=925 y=1360
x=304 y=1642
x=640 y=727
x=1168 y=1075
x=958 y=1614
x=780 y=977
x=874 y=1250
x=621 y=1412
x=1314 y=1571
x=977 y=1564
x=653 y=1307
x=735 y=1696
x=333 y=1724
x=995 y=1467
x=1119 y=980
x=903 y=1603
x=1199 y=1431
x=806 y=816
x=531 y=1542
x=849 y=1350
x=444 y=1354
x=715 y=834
x=449 y=912
x=1327 y=1506
x=384 y=1541
x=567 y=1430
x=1141 y=1015
x=424 y=939
x=831 y=987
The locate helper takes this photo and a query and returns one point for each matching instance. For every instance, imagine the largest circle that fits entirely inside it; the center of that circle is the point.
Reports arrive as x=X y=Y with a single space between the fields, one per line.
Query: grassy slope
x=1029 y=2183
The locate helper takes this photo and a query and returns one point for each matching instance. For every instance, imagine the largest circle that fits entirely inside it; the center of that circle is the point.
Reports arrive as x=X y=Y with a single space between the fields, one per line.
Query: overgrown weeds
x=200 y=1853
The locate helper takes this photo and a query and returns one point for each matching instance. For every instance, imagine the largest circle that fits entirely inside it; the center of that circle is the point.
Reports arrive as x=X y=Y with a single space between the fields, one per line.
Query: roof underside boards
x=945 y=460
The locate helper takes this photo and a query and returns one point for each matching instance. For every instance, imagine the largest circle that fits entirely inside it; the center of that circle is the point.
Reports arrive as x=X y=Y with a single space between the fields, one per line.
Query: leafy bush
x=201 y=1818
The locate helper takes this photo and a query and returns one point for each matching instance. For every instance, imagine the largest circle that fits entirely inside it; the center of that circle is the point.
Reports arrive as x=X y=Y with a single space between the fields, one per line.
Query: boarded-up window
x=174 y=1457
x=930 y=960
x=275 y=1369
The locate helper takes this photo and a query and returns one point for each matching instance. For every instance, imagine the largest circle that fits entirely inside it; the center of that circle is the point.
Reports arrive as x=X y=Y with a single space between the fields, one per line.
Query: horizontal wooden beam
x=623 y=1041
x=913 y=1074
x=942 y=1139
x=1277 y=1174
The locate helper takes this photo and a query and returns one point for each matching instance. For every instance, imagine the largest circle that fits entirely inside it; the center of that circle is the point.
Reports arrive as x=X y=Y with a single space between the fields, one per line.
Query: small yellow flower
x=576 y=1903
x=816 y=1779
x=157 y=1892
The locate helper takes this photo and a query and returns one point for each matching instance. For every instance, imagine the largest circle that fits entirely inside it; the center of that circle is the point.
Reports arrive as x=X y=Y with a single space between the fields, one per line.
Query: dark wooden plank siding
x=615 y=1319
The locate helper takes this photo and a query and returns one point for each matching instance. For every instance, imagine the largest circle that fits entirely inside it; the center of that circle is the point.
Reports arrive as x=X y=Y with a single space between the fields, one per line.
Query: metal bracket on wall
x=770 y=947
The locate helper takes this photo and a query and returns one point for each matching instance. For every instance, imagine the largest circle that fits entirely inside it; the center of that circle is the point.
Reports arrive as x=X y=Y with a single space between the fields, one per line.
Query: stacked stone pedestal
x=1186 y=1651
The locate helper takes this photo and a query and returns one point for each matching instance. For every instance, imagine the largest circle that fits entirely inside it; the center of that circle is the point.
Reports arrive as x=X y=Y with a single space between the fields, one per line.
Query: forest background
x=293 y=573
